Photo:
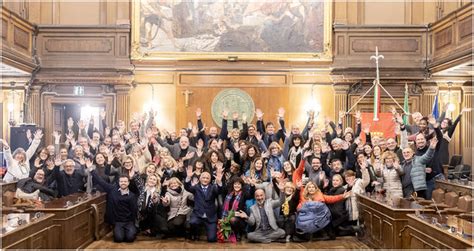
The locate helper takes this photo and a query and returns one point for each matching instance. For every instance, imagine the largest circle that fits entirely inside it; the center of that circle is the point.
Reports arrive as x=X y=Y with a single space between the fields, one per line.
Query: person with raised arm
x=205 y=210
x=18 y=164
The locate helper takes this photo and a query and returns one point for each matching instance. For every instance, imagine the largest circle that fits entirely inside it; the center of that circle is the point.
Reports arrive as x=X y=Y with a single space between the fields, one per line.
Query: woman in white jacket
x=357 y=186
x=18 y=165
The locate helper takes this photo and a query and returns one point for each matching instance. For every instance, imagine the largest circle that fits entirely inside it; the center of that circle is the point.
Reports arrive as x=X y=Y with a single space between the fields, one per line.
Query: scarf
x=285 y=207
x=176 y=191
x=235 y=204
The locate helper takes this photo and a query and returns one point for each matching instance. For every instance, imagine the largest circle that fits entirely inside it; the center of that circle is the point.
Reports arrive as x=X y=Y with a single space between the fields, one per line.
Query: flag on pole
x=376 y=100
x=435 y=111
x=405 y=105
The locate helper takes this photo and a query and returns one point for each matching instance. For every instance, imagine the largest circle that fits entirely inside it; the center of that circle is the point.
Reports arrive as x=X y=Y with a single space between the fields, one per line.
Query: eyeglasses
x=127 y=162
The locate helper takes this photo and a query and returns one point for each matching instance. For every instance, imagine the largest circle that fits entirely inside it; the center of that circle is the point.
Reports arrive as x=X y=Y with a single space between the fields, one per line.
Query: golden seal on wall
x=232 y=100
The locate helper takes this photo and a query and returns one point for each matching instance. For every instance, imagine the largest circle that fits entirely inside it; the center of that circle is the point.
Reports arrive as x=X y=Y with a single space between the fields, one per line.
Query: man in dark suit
x=205 y=211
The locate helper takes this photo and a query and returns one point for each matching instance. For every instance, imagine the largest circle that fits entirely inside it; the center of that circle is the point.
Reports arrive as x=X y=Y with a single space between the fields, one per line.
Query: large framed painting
x=290 y=30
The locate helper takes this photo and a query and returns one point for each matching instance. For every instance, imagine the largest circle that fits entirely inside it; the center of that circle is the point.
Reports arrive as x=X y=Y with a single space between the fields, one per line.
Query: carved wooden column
x=340 y=100
x=427 y=99
x=123 y=103
x=467 y=137
x=34 y=105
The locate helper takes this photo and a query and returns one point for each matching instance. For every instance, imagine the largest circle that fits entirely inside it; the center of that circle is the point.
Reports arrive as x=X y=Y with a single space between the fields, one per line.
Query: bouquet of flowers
x=224 y=231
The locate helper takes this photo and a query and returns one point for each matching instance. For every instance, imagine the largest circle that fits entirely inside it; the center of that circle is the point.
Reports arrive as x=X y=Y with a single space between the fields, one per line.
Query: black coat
x=119 y=208
x=29 y=185
x=338 y=210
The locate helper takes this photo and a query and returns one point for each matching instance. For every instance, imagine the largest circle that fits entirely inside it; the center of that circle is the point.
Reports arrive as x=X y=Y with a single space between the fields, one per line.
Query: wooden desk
x=383 y=223
x=422 y=235
x=78 y=224
x=37 y=234
x=457 y=187
x=8 y=186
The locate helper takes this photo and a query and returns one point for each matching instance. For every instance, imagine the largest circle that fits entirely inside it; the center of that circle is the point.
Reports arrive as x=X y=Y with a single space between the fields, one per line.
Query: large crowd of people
x=261 y=182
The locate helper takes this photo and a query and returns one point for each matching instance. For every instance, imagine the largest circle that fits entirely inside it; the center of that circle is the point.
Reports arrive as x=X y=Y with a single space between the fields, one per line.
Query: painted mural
x=232 y=26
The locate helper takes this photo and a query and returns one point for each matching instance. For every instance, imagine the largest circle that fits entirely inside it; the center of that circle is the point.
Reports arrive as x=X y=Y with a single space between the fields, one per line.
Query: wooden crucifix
x=186 y=94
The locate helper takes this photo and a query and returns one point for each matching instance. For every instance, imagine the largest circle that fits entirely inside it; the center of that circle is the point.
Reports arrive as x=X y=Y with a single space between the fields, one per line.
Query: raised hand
x=266 y=154
x=82 y=161
x=58 y=161
x=56 y=136
x=258 y=136
x=5 y=144
x=366 y=128
x=342 y=114
x=198 y=112
x=70 y=122
x=189 y=155
x=244 y=118
x=432 y=120
x=103 y=114
x=259 y=114
x=38 y=134
x=225 y=113
x=88 y=163
x=235 y=116
x=281 y=113
x=358 y=115
x=189 y=171
x=307 y=154
x=164 y=200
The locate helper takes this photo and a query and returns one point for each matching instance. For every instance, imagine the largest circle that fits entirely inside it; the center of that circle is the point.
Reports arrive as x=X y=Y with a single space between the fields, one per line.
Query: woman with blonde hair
x=391 y=171
x=152 y=212
x=313 y=213
x=176 y=198
x=289 y=198
x=170 y=169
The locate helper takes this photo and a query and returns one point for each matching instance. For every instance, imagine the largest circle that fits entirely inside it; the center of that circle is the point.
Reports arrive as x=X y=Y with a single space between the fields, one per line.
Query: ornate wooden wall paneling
x=404 y=49
x=451 y=41
x=17 y=41
x=99 y=47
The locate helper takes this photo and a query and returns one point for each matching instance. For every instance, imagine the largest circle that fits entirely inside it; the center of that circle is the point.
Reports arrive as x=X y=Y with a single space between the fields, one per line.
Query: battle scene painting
x=232 y=26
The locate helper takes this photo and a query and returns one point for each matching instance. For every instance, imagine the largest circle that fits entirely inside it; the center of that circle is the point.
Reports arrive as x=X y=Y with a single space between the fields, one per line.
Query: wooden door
x=269 y=99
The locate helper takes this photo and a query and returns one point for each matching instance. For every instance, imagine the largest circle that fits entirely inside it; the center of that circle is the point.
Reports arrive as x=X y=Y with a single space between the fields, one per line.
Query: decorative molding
x=232 y=79
x=394 y=44
x=79 y=45
x=103 y=47
x=465 y=28
x=443 y=38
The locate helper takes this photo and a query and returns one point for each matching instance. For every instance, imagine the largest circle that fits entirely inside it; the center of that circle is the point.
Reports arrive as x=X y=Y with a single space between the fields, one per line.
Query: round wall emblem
x=232 y=100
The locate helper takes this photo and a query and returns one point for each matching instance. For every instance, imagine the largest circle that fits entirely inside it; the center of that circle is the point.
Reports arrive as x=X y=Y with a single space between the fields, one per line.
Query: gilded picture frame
x=139 y=54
